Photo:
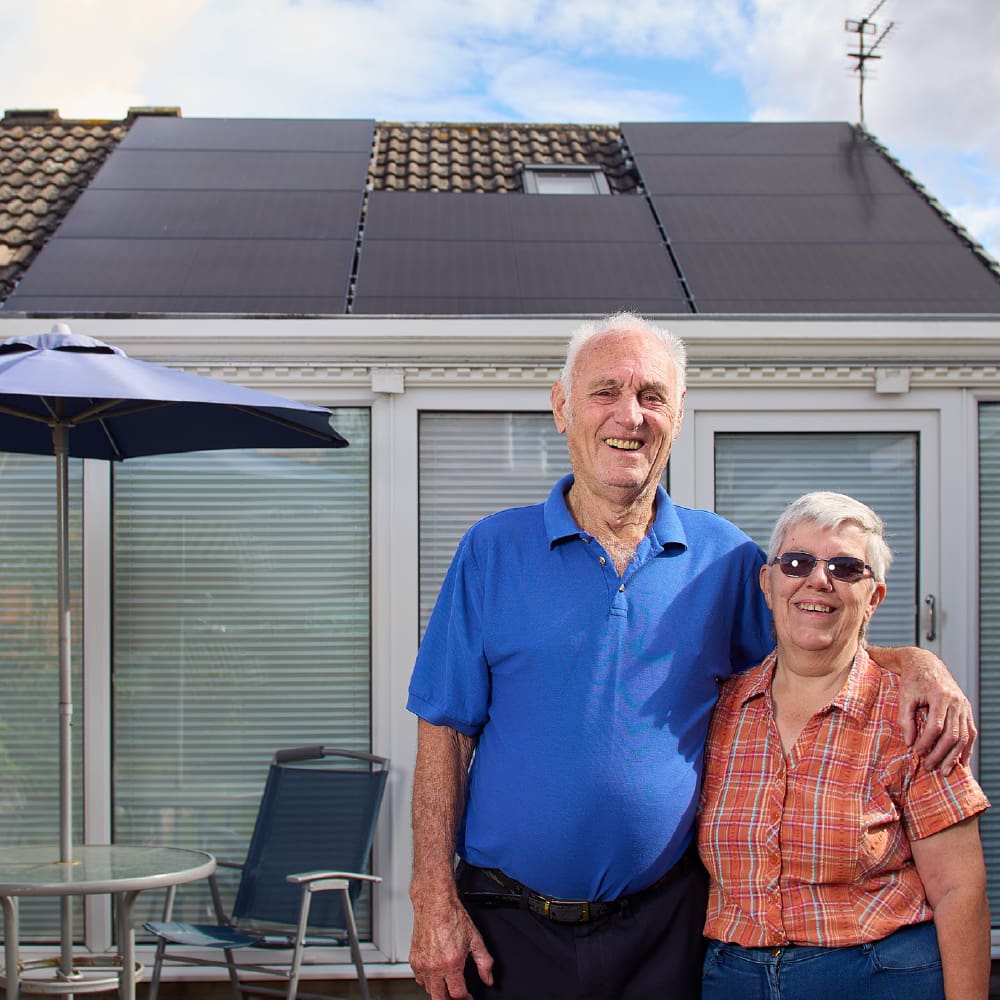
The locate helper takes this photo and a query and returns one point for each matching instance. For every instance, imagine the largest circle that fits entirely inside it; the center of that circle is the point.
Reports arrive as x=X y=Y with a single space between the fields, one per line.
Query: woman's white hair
x=831 y=511
x=623 y=322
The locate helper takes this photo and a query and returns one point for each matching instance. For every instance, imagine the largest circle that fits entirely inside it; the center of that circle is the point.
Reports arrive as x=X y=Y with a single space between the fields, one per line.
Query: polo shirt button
x=621 y=589
x=604 y=561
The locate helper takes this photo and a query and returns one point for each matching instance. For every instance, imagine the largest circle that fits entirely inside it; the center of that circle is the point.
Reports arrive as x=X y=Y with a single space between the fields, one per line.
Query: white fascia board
x=477 y=341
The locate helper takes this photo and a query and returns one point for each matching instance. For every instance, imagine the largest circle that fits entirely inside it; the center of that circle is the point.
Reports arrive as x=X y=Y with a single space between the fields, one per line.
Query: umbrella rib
x=282 y=422
x=13 y=411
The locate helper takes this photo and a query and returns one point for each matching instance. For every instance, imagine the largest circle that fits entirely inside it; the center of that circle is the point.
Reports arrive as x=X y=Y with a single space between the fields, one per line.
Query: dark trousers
x=652 y=948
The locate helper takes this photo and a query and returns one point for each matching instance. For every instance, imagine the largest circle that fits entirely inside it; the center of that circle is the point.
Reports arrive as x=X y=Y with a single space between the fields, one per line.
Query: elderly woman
x=839 y=866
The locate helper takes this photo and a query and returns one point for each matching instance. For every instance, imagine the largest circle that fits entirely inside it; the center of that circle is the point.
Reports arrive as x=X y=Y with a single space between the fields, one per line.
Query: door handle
x=931 y=603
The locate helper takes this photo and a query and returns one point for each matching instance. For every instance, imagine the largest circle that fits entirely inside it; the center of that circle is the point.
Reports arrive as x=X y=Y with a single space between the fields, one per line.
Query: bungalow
x=421 y=280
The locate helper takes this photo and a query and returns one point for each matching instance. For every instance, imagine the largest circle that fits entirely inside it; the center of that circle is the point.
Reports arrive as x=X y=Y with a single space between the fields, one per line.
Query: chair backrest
x=317 y=813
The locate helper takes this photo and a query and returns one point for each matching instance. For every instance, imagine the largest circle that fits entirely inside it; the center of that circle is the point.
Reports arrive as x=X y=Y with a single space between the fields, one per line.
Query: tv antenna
x=865 y=28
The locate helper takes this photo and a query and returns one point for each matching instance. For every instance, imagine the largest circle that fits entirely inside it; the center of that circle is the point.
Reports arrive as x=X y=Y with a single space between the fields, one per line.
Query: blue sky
x=933 y=98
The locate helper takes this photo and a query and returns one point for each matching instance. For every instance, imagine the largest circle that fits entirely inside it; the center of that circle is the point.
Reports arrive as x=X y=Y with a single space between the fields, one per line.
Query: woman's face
x=816 y=612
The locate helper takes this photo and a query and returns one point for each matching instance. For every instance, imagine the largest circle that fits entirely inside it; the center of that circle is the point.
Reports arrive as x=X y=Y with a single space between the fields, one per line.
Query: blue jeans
x=903 y=966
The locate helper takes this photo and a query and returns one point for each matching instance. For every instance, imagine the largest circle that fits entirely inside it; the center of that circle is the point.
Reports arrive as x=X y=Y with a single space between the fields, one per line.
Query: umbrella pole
x=60 y=439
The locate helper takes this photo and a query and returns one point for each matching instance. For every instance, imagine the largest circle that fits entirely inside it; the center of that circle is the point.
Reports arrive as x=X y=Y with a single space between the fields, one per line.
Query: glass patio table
x=117 y=870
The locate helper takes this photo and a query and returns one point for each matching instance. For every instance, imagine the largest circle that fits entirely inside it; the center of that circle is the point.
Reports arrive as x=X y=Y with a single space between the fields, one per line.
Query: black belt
x=562 y=911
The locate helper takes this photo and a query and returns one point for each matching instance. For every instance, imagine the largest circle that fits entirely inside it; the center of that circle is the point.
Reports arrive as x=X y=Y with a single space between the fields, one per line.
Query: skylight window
x=548 y=179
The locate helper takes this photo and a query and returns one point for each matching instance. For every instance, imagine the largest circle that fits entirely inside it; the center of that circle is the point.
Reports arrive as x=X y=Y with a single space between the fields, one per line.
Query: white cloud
x=87 y=57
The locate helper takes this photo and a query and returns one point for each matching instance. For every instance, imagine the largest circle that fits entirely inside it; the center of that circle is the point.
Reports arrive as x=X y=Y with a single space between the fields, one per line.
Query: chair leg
x=234 y=976
x=352 y=938
x=161 y=944
x=154 y=983
x=300 y=937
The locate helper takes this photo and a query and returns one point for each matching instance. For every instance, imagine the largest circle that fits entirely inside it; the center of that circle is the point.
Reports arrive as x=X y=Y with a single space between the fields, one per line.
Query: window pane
x=546 y=180
x=472 y=464
x=989 y=637
x=29 y=667
x=758 y=475
x=241 y=625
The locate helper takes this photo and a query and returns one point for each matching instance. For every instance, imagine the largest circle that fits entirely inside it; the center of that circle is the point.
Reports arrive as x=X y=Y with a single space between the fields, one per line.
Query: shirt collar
x=856 y=698
x=666 y=529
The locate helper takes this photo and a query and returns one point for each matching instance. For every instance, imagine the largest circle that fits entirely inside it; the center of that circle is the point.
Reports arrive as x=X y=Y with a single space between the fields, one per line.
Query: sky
x=933 y=98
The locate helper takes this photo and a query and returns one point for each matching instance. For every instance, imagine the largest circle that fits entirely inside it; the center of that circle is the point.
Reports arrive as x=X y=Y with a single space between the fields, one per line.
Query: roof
x=158 y=214
x=45 y=163
x=490 y=157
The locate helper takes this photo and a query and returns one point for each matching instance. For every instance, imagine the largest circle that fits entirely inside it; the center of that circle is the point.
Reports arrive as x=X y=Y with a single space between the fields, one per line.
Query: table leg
x=66 y=940
x=124 y=905
x=11 y=957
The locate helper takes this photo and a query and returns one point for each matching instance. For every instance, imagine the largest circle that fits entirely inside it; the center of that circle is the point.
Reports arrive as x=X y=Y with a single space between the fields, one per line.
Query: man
x=564 y=687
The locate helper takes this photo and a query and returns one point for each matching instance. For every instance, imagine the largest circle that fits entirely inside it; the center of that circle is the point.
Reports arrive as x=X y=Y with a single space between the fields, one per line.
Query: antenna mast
x=866 y=26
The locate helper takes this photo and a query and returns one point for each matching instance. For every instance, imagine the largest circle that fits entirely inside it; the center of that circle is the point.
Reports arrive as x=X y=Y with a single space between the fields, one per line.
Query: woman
x=839 y=866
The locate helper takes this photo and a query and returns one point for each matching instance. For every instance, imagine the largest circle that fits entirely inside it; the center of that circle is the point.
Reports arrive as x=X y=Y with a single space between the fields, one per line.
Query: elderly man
x=564 y=687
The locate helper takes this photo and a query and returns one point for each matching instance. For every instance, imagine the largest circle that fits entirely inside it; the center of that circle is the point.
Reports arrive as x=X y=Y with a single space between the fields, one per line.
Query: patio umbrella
x=73 y=396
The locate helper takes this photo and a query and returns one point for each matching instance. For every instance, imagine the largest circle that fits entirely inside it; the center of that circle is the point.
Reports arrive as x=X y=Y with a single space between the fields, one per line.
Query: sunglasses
x=847 y=569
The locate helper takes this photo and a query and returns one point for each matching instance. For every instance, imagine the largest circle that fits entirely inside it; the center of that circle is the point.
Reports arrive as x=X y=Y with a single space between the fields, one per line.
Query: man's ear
x=679 y=421
x=558 y=398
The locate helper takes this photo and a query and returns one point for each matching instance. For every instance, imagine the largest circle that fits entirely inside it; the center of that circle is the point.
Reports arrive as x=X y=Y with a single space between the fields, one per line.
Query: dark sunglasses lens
x=847 y=569
x=801 y=564
x=796 y=563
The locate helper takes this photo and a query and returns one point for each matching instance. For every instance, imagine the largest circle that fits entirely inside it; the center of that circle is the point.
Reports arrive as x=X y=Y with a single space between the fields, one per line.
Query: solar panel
x=799 y=218
x=395 y=215
x=744 y=138
x=90 y=268
x=737 y=174
x=861 y=278
x=250 y=134
x=232 y=170
x=304 y=215
x=219 y=215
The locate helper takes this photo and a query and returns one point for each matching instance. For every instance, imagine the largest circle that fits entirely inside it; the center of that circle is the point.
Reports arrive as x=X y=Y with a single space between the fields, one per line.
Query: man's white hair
x=623 y=322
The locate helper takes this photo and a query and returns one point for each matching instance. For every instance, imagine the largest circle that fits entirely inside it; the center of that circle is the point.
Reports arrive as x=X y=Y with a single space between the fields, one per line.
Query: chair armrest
x=220 y=863
x=302 y=878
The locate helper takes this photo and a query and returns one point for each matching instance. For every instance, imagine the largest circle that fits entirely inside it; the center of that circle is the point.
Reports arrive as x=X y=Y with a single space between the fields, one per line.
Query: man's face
x=622 y=415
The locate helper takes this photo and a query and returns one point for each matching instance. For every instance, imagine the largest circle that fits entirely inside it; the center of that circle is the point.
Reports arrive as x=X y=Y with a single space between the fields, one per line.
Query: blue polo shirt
x=589 y=693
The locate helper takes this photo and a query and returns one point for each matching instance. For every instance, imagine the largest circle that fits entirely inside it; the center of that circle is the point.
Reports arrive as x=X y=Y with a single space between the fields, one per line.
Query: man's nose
x=629 y=411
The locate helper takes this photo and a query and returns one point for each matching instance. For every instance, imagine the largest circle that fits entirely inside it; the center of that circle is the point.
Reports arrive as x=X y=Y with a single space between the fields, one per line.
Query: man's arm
x=443 y=933
x=949 y=733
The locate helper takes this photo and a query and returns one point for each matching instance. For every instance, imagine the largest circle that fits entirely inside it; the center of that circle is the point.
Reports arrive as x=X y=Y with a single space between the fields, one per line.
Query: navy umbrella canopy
x=116 y=407
x=73 y=396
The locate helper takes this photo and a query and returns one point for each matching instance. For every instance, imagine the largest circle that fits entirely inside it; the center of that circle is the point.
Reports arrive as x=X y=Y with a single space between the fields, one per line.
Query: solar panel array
x=269 y=217
x=801 y=218
x=512 y=254
x=211 y=216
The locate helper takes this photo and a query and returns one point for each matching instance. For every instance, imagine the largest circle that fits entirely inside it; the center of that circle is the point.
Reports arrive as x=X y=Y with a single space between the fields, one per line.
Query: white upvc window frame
x=576 y=180
x=396 y=602
x=942 y=479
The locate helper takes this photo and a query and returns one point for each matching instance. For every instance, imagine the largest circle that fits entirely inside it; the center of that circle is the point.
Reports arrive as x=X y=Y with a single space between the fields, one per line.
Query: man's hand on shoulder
x=949 y=732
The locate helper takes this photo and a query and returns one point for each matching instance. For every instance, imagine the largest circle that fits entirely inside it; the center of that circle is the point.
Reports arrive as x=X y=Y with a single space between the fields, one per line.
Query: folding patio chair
x=304 y=869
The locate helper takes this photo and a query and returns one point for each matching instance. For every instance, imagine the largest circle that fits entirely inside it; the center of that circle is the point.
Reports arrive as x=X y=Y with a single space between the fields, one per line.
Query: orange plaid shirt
x=815 y=849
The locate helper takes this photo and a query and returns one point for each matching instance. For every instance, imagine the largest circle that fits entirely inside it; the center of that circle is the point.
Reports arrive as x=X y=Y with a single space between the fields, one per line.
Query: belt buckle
x=582 y=904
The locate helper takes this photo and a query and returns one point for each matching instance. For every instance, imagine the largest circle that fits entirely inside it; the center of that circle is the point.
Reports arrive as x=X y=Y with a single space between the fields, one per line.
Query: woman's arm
x=950 y=864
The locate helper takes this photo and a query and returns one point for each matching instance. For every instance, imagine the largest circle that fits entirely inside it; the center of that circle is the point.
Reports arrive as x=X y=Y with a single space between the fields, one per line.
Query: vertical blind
x=758 y=474
x=29 y=667
x=241 y=625
x=989 y=639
